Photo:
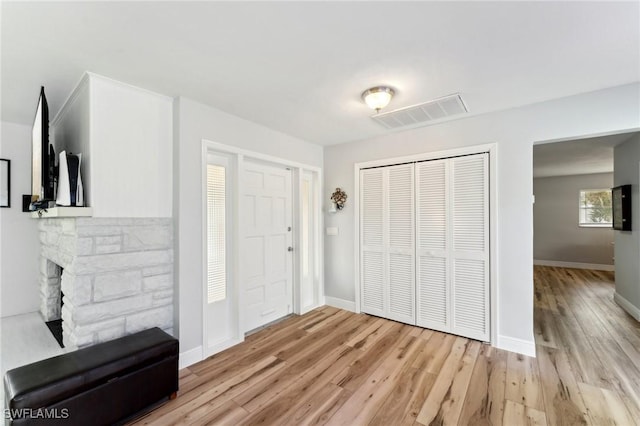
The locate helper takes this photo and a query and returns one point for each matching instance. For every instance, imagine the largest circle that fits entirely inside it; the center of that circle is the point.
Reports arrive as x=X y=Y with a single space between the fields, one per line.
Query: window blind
x=216 y=234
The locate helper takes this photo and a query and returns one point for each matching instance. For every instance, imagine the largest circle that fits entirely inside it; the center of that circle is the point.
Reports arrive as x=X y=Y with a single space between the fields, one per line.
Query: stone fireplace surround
x=117 y=276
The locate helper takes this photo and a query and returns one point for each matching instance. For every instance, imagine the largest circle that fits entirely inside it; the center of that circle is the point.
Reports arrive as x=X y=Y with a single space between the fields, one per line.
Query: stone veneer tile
x=105 y=310
x=76 y=288
x=102 y=325
x=160 y=317
x=116 y=285
x=108 y=241
x=158 y=270
x=137 y=238
x=163 y=294
x=158 y=282
x=116 y=248
x=109 y=334
x=84 y=246
x=121 y=261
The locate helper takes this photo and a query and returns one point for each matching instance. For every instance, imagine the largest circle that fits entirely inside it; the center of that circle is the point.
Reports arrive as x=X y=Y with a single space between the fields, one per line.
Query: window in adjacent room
x=595 y=208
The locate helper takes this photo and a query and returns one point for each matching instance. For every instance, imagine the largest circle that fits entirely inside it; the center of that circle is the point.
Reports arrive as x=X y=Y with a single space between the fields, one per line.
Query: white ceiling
x=577 y=157
x=299 y=67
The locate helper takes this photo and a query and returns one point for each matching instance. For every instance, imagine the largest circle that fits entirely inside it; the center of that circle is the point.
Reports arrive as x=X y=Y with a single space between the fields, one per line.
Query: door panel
x=432 y=223
x=401 y=243
x=266 y=263
x=470 y=246
x=387 y=242
x=372 y=241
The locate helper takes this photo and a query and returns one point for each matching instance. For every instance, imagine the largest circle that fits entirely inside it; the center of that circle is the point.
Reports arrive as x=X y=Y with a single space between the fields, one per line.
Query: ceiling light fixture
x=378 y=97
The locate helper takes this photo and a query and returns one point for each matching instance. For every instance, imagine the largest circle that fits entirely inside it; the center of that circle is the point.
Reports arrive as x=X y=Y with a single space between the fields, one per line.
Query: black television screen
x=621 y=205
x=41 y=170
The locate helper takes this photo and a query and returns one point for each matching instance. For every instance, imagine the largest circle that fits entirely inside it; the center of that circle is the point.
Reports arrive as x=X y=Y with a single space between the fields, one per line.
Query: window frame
x=581 y=208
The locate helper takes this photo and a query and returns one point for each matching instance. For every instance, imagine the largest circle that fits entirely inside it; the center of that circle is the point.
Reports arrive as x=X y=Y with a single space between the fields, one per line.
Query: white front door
x=266 y=247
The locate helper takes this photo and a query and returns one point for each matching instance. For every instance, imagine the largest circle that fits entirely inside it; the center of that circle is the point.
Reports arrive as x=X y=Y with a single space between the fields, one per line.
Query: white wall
x=131 y=150
x=556 y=234
x=514 y=131
x=20 y=250
x=626 y=171
x=194 y=122
x=125 y=135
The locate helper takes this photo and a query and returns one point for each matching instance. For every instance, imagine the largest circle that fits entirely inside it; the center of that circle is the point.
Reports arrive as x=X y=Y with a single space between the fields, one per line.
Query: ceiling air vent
x=422 y=113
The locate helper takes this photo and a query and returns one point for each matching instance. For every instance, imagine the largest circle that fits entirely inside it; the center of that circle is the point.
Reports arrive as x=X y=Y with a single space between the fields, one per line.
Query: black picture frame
x=5 y=183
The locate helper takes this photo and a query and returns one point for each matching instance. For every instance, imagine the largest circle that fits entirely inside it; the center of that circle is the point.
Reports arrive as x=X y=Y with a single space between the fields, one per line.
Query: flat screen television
x=621 y=206
x=42 y=155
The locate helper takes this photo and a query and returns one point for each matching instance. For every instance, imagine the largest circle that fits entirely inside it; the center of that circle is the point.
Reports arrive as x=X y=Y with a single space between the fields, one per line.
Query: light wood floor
x=335 y=367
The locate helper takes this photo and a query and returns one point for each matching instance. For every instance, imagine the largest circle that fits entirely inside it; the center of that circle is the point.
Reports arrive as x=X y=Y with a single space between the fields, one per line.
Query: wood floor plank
x=423 y=385
x=444 y=402
x=399 y=398
x=604 y=407
x=437 y=350
x=564 y=405
x=311 y=410
x=545 y=328
x=521 y=415
x=484 y=402
x=523 y=381
x=371 y=335
x=228 y=413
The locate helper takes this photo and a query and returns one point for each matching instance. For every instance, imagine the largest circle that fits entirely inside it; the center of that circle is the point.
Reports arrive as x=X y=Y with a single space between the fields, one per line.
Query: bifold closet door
x=388 y=242
x=452 y=245
x=433 y=294
x=470 y=246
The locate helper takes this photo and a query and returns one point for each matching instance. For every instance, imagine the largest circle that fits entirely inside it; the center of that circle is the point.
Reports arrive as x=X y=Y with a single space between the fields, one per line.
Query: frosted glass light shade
x=378 y=97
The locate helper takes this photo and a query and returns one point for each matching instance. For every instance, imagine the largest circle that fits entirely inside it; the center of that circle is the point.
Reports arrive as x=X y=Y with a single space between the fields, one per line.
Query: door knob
x=290 y=249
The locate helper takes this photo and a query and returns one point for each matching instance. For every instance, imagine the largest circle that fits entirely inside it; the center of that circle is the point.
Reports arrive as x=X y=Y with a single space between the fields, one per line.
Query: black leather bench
x=99 y=385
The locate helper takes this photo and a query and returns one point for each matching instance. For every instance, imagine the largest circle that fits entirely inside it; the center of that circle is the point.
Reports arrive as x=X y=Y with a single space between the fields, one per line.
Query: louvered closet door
x=372 y=241
x=432 y=247
x=387 y=242
x=424 y=233
x=469 y=190
x=400 y=260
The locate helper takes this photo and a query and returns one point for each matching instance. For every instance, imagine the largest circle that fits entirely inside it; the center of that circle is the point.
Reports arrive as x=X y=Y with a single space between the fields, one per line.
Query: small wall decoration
x=5 y=183
x=339 y=197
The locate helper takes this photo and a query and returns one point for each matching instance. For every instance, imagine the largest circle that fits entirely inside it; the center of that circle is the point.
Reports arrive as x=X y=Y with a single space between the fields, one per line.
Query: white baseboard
x=524 y=347
x=347 y=305
x=575 y=265
x=627 y=306
x=190 y=357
